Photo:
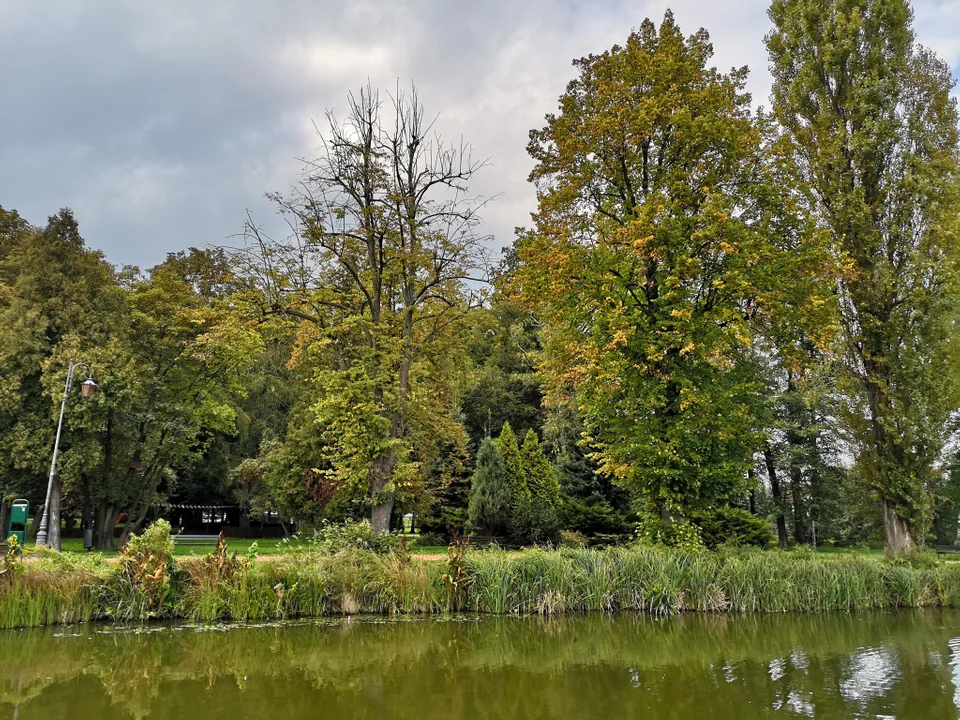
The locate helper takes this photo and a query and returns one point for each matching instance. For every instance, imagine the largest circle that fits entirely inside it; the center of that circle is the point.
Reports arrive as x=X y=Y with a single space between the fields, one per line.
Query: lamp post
x=87 y=389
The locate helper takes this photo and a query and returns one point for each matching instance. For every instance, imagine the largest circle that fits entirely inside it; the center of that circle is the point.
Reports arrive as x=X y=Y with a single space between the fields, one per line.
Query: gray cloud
x=161 y=121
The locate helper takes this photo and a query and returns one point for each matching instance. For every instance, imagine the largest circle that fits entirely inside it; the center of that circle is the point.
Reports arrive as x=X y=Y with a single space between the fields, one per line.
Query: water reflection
x=896 y=665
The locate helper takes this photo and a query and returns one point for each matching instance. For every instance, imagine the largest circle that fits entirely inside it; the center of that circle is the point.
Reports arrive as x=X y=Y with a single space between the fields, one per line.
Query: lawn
x=265 y=547
x=269 y=546
x=275 y=546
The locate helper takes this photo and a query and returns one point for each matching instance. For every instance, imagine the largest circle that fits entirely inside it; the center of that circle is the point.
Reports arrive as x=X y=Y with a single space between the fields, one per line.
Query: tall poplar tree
x=873 y=133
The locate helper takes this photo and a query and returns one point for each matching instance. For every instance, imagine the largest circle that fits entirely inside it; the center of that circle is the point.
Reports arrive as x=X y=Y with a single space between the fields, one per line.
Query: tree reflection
x=894 y=664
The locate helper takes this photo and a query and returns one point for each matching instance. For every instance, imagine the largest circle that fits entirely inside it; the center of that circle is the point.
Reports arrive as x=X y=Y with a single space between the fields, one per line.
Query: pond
x=883 y=665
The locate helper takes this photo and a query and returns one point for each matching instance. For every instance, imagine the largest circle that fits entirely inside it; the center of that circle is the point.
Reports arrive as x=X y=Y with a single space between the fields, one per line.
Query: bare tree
x=383 y=257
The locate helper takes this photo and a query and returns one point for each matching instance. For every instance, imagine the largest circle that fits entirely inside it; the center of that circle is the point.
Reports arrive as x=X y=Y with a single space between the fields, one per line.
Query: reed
x=647 y=580
x=51 y=592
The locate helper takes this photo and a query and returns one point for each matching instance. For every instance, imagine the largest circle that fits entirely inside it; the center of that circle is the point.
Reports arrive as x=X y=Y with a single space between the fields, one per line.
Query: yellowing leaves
x=620 y=338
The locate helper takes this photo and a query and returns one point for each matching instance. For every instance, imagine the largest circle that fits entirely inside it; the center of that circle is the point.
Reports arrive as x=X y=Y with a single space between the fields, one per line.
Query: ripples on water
x=885 y=665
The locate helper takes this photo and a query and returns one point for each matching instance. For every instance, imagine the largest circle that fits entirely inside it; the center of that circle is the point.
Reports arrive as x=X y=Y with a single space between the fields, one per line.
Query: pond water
x=884 y=665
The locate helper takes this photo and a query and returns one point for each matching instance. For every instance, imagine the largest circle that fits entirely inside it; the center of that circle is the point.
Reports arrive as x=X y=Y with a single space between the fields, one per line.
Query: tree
x=384 y=238
x=519 y=521
x=502 y=384
x=544 y=489
x=873 y=133
x=947 y=508
x=661 y=246
x=440 y=499
x=52 y=288
x=490 y=498
x=170 y=375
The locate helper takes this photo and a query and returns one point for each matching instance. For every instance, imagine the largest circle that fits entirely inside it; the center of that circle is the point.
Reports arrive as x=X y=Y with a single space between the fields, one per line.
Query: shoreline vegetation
x=149 y=583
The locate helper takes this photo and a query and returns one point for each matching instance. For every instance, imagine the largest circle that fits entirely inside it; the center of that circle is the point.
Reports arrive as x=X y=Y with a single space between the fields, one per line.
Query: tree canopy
x=719 y=321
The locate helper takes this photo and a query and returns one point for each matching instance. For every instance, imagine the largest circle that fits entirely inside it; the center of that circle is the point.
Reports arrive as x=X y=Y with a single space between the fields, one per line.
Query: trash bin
x=88 y=539
x=19 y=516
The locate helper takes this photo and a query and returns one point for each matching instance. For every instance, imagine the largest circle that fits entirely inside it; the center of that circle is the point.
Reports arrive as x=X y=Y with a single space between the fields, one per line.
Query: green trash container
x=19 y=517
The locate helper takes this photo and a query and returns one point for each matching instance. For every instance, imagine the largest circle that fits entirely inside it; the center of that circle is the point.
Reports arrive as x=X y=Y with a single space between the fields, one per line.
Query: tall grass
x=648 y=580
x=51 y=591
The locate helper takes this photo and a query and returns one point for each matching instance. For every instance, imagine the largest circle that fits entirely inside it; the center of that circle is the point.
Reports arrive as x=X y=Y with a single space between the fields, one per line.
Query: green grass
x=268 y=546
x=834 y=550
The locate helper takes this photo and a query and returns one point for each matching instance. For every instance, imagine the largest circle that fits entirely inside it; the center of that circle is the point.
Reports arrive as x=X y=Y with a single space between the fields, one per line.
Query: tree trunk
x=799 y=514
x=142 y=514
x=940 y=530
x=777 y=496
x=86 y=514
x=34 y=526
x=795 y=442
x=752 y=476
x=4 y=519
x=105 y=524
x=381 y=513
x=381 y=477
x=896 y=530
x=125 y=533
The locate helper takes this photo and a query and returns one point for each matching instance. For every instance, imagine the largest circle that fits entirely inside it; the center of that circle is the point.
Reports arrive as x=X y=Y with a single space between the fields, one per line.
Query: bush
x=677 y=533
x=920 y=559
x=592 y=518
x=603 y=540
x=446 y=522
x=141 y=589
x=733 y=526
x=572 y=539
x=333 y=538
x=430 y=540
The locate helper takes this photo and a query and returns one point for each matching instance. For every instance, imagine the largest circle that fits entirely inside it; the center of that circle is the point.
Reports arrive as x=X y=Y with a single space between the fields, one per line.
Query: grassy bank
x=68 y=589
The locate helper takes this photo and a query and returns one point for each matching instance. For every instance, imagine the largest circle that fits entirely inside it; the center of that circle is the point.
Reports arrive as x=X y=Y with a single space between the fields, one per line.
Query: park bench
x=947 y=549
x=185 y=539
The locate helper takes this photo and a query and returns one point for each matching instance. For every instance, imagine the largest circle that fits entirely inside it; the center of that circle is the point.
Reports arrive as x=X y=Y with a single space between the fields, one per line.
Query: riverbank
x=59 y=589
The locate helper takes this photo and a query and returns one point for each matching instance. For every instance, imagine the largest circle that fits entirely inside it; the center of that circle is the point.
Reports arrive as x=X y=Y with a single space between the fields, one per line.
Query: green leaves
x=871 y=126
x=659 y=253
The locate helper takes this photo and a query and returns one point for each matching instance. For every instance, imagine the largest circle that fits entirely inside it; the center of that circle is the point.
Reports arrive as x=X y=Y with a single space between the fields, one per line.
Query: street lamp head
x=88 y=387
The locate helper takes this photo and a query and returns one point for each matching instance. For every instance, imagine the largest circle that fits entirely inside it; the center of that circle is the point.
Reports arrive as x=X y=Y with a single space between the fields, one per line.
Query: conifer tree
x=490 y=499
x=544 y=489
x=509 y=447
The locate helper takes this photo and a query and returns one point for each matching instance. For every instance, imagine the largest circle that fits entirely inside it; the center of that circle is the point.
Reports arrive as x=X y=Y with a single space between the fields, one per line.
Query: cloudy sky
x=160 y=122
